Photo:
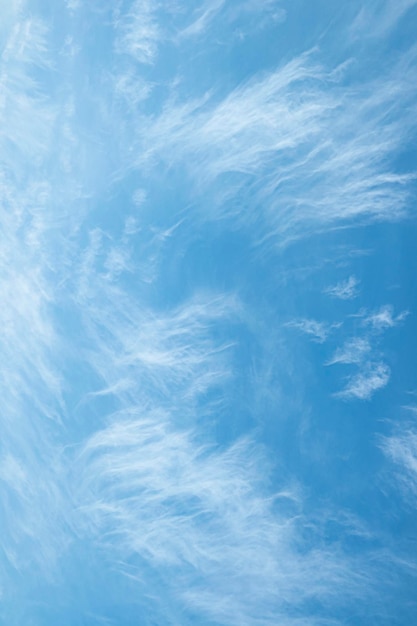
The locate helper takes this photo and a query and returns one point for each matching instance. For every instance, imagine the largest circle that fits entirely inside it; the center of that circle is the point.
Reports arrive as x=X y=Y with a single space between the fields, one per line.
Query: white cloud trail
x=355 y=350
x=345 y=290
x=401 y=449
x=311 y=154
x=370 y=378
x=159 y=497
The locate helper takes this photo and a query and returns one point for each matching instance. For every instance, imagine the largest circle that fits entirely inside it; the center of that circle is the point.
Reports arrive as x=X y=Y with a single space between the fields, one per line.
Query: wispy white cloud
x=308 y=153
x=155 y=494
x=384 y=318
x=376 y=19
x=139 y=32
x=401 y=449
x=252 y=123
x=318 y=331
x=344 y=290
x=355 y=350
x=131 y=88
x=364 y=352
x=33 y=498
x=204 y=15
x=21 y=100
x=158 y=353
x=212 y=12
x=371 y=378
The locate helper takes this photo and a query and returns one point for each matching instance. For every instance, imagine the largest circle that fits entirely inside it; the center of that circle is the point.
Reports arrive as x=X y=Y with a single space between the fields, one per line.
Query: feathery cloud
x=384 y=318
x=401 y=449
x=205 y=15
x=308 y=153
x=139 y=32
x=383 y=16
x=362 y=386
x=155 y=495
x=319 y=331
x=355 y=350
x=345 y=290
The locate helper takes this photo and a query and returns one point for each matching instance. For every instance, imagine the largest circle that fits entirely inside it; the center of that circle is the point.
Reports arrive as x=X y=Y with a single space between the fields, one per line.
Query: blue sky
x=208 y=313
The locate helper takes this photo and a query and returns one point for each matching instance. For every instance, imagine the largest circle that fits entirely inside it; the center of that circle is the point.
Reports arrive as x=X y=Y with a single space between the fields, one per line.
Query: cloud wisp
x=401 y=449
x=383 y=16
x=355 y=350
x=318 y=331
x=160 y=499
x=139 y=32
x=384 y=318
x=205 y=15
x=310 y=154
x=372 y=374
x=156 y=496
x=345 y=290
x=370 y=378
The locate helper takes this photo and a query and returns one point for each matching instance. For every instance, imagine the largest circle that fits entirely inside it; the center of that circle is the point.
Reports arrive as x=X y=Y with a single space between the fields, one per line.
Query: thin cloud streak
x=318 y=331
x=345 y=290
x=372 y=374
x=401 y=449
x=293 y=130
x=34 y=499
x=383 y=16
x=384 y=318
x=231 y=555
x=371 y=378
x=139 y=32
x=153 y=497
x=207 y=13
x=355 y=350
